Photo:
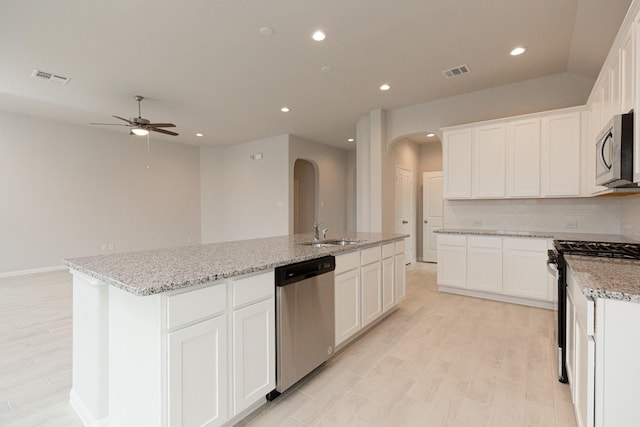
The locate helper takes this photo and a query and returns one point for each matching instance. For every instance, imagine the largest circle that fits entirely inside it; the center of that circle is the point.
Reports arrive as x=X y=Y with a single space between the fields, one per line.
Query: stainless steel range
x=556 y=257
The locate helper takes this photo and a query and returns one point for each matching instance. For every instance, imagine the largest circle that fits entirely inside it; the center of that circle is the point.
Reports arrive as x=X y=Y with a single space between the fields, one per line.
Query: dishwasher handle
x=300 y=271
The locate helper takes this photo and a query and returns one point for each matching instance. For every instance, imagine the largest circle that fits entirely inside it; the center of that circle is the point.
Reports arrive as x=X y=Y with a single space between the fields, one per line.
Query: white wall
x=244 y=198
x=331 y=165
x=542 y=94
x=351 y=191
x=630 y=216
x=66 y=190
x=212 y=193
x=304 y=197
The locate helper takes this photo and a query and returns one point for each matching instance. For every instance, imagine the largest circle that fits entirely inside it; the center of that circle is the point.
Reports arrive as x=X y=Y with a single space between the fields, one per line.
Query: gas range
x=598 y=249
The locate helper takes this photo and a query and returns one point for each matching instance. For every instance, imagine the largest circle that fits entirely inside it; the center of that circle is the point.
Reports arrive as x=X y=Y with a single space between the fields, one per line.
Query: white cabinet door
x=627 y=70
x=570 y=325
x=614 y=87
x=561 y=155
x=253 y=354
x=525 y=269
x=484 y=264
x=371 y=292
x=585 y=377
x=197 y=380
x=399 y=271
x=523 y=158
x=347 y=304
x=452 y=262
x=456 y=161
x=388 y=288
x=488 y=161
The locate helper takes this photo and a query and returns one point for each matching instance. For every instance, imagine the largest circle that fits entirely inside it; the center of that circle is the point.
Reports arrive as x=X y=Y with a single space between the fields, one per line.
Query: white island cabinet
x=210 y=349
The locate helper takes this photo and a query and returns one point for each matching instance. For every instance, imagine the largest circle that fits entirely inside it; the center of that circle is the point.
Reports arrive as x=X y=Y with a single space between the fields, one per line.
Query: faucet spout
x=316 y=232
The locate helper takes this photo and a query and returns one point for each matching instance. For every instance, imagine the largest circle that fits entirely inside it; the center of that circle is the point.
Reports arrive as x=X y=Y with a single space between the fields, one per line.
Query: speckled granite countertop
x=558 y=235
x=607 y=278
x=156 y=271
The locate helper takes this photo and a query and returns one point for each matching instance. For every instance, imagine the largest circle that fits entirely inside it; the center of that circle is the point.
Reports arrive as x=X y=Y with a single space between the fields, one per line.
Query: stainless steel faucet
x=316 y=232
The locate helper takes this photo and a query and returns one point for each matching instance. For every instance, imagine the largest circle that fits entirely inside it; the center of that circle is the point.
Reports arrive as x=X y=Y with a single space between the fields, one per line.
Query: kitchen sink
x=332 y=242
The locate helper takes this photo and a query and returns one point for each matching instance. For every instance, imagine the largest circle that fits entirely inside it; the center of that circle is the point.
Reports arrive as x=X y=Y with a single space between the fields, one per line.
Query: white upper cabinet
x=627 y=69
x=488 y=161
x=560 y=165
x=523 y=158
x=537 y=155
x=456 y=160
x=614 y=87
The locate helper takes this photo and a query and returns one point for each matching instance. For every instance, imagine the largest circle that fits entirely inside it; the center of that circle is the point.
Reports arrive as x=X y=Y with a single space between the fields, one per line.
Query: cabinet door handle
x=405 y=222
x=426 y=222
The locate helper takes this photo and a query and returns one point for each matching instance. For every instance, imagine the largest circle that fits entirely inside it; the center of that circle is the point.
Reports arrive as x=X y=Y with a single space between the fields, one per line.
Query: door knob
x=426 y=222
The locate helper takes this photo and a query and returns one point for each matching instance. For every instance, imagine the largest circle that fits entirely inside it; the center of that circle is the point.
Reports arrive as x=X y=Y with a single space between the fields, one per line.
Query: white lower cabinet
x=509 y=269
x=197 y=380
x=253 y=354
x=452 y=260
x=400 y=283
x=371 y=283
x=484 y=264
x=388 y=288
x=525 y=268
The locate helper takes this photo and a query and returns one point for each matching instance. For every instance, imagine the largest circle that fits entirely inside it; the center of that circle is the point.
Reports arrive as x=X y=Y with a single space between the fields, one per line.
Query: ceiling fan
x=140 y=126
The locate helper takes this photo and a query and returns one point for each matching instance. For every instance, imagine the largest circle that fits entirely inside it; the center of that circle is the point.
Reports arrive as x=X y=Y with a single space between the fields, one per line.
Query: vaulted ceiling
x=225 y=68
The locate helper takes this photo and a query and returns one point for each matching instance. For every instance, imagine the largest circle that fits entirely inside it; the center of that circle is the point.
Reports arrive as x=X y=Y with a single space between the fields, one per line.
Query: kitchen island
x=185 y=336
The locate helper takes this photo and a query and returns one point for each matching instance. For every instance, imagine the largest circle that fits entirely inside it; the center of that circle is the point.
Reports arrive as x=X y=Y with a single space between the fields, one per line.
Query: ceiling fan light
x=140 y=131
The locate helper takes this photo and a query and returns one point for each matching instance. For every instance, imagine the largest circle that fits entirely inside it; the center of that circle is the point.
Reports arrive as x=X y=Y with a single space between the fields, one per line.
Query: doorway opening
x=304 y=196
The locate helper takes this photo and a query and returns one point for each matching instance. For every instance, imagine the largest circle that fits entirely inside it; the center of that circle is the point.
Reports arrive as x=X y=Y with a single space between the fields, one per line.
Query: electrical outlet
x=104 y=246
x=571 y=225
x=110 y=246
x=476 y=223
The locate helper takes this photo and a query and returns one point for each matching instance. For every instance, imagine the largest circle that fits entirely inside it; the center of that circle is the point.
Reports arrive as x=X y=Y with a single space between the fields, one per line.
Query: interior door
x=431 y=213
x=405 y=223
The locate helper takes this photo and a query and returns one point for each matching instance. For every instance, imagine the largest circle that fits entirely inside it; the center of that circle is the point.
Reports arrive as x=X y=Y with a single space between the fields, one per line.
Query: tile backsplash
x=630 y=216
x=609 y=215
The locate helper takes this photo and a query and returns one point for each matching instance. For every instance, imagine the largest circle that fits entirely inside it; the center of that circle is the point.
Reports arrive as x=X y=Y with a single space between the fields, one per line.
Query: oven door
x=555 y=264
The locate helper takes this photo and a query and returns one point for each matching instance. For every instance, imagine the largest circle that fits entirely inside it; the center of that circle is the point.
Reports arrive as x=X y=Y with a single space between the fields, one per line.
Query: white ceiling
x=204 y=65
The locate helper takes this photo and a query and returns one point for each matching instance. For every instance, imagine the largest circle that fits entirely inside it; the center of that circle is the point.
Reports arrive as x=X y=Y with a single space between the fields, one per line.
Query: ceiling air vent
x=54 y=78
x=456 y=71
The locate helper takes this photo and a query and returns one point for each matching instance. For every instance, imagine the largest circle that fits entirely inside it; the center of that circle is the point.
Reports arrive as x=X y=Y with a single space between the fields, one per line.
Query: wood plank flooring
x=440 y=360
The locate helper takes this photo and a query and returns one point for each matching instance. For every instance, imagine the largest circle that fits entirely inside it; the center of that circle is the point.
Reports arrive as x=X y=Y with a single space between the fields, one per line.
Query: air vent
x=54 y=78
x=456 y=71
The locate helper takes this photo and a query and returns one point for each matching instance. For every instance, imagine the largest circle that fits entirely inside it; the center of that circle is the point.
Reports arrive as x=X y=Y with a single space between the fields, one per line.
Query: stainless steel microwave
x=614 y=152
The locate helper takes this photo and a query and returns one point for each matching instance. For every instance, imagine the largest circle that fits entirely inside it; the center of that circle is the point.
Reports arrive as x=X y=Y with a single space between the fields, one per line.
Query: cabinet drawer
x=253 y=288
x=190 y=306
x=452 y=239
x=400 y=247
x=388 y=250
x=485 y=242
x=367 y=256
x=525 y=244
x=347 y=262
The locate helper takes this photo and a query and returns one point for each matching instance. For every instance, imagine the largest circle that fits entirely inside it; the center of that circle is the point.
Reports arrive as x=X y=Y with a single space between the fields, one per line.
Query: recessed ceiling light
x=199 y=134
x=431 y=135
x=285 y=109
x=350 y=140
x=318 y=36
x=385 y=87
x=518 y=51
x=266 y=31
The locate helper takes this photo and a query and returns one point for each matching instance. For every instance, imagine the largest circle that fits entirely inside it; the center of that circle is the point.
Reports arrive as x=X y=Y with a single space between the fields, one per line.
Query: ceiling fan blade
x=122 y=118
x=109 y=124
x=168 y=132
x=162 y=125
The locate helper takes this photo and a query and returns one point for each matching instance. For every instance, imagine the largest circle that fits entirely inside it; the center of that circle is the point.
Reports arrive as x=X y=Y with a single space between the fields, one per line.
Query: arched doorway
x=304 y=196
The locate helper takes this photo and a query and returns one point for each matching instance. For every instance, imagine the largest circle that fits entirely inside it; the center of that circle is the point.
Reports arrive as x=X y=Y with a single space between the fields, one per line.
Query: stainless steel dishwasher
x=304 y=319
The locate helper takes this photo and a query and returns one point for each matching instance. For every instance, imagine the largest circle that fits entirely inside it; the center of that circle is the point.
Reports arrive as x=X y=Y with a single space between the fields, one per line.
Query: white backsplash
x=630 y=216
x=588 y=215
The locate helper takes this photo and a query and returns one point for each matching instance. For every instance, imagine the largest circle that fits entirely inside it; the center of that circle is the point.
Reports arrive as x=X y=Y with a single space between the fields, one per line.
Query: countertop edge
x=147 y=291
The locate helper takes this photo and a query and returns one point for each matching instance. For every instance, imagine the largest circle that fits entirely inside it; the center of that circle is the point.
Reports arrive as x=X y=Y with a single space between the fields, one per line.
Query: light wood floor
x=440 y=360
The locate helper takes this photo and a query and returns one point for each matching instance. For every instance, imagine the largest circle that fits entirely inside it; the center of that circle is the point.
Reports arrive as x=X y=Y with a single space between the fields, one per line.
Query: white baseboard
x=497 y=297
x=83 y=412
x=33 y=271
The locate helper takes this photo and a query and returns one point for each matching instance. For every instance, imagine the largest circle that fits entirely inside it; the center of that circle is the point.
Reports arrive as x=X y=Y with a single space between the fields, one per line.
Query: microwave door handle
x=602 y=147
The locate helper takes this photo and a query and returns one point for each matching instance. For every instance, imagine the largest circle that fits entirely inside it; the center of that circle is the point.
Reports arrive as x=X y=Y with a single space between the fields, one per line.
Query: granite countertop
x=557 y=235
x=606 y=277
x=155 y=271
